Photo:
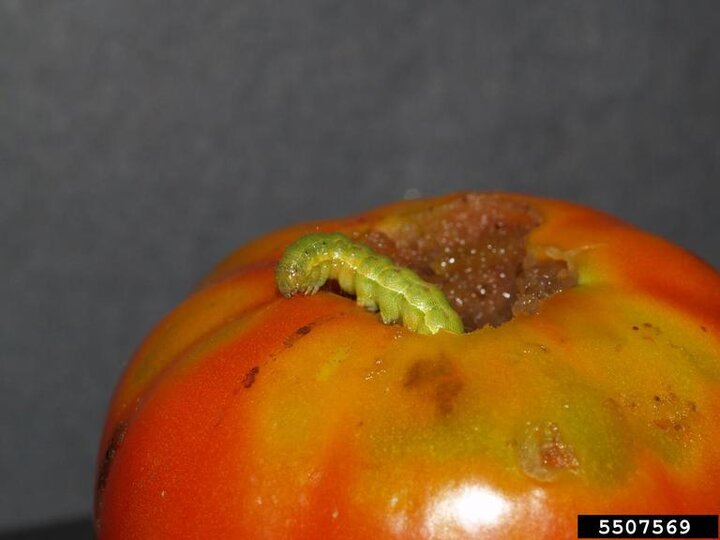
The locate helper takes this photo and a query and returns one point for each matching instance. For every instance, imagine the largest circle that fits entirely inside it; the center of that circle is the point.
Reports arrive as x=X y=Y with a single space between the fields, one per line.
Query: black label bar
x=647 y=526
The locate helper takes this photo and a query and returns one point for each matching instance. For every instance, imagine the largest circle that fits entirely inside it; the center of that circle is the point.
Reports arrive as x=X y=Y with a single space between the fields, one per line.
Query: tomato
x=587 y=381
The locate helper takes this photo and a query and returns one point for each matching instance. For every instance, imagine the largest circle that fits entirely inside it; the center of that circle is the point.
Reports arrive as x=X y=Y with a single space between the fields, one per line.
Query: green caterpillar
x=378 y=283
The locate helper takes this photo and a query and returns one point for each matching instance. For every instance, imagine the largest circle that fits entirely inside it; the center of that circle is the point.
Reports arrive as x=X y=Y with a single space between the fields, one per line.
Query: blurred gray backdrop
x=141 y=141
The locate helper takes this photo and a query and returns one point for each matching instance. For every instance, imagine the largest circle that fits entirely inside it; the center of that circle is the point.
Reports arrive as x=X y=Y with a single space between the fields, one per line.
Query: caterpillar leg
x=390 y=295
x=346 y=280
x=412 y=319
x=317 y=278
x=365 y=290
x=389 y=307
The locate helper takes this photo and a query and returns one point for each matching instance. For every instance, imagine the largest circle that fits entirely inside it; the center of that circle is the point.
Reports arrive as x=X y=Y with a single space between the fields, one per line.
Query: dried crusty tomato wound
x=474 y=249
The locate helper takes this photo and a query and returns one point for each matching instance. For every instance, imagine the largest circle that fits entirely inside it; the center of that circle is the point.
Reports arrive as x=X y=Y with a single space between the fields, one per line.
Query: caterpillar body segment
x=376 y=281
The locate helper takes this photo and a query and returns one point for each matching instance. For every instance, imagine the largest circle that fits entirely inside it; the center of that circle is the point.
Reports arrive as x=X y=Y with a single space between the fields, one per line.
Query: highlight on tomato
x=469 y=366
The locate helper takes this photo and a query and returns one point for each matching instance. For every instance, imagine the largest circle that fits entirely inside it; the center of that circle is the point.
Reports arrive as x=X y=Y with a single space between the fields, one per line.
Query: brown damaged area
x=665 y=411
x=474 y=249
x=104 y=471
x=437 y=380
x=673 y=415
x=297 y=334
x=305 y=329
x=249 y=378
x=543 y=454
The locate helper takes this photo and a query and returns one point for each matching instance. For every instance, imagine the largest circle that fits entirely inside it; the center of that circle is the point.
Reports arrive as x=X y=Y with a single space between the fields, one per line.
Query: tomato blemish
x=104 y=471
x=438 y=380
x=543 y=453
x=250 y=376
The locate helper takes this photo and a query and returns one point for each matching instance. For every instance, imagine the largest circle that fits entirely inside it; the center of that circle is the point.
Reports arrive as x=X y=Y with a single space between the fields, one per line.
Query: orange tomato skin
x=248 y=415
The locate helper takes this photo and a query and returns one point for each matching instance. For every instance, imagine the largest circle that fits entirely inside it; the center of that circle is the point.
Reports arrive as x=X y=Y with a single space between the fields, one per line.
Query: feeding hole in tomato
x=473 y=249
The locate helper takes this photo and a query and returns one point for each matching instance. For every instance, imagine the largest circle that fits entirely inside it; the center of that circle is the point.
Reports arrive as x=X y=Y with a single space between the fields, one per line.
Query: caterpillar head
x=290 y=277
x=300 y=268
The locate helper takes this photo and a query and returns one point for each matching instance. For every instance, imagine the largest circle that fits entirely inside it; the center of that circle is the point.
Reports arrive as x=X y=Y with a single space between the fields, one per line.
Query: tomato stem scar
x=378 y=283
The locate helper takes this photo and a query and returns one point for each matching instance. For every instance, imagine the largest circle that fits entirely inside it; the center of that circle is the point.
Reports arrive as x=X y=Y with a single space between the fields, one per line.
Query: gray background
x=141 y=141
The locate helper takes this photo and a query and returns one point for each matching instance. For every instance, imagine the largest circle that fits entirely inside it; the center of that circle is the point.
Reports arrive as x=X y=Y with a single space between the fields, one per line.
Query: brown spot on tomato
x=303 y=331
x=445 y=394
x=437 y=380
x=104 y=470
x=423 y=371
x=249 y=378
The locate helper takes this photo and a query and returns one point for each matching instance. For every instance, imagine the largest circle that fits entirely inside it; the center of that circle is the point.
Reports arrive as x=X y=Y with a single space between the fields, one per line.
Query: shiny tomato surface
x=245 y=414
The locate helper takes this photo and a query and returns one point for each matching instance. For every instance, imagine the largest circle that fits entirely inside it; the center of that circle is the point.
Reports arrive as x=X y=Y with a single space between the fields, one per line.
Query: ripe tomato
x=587 y=381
